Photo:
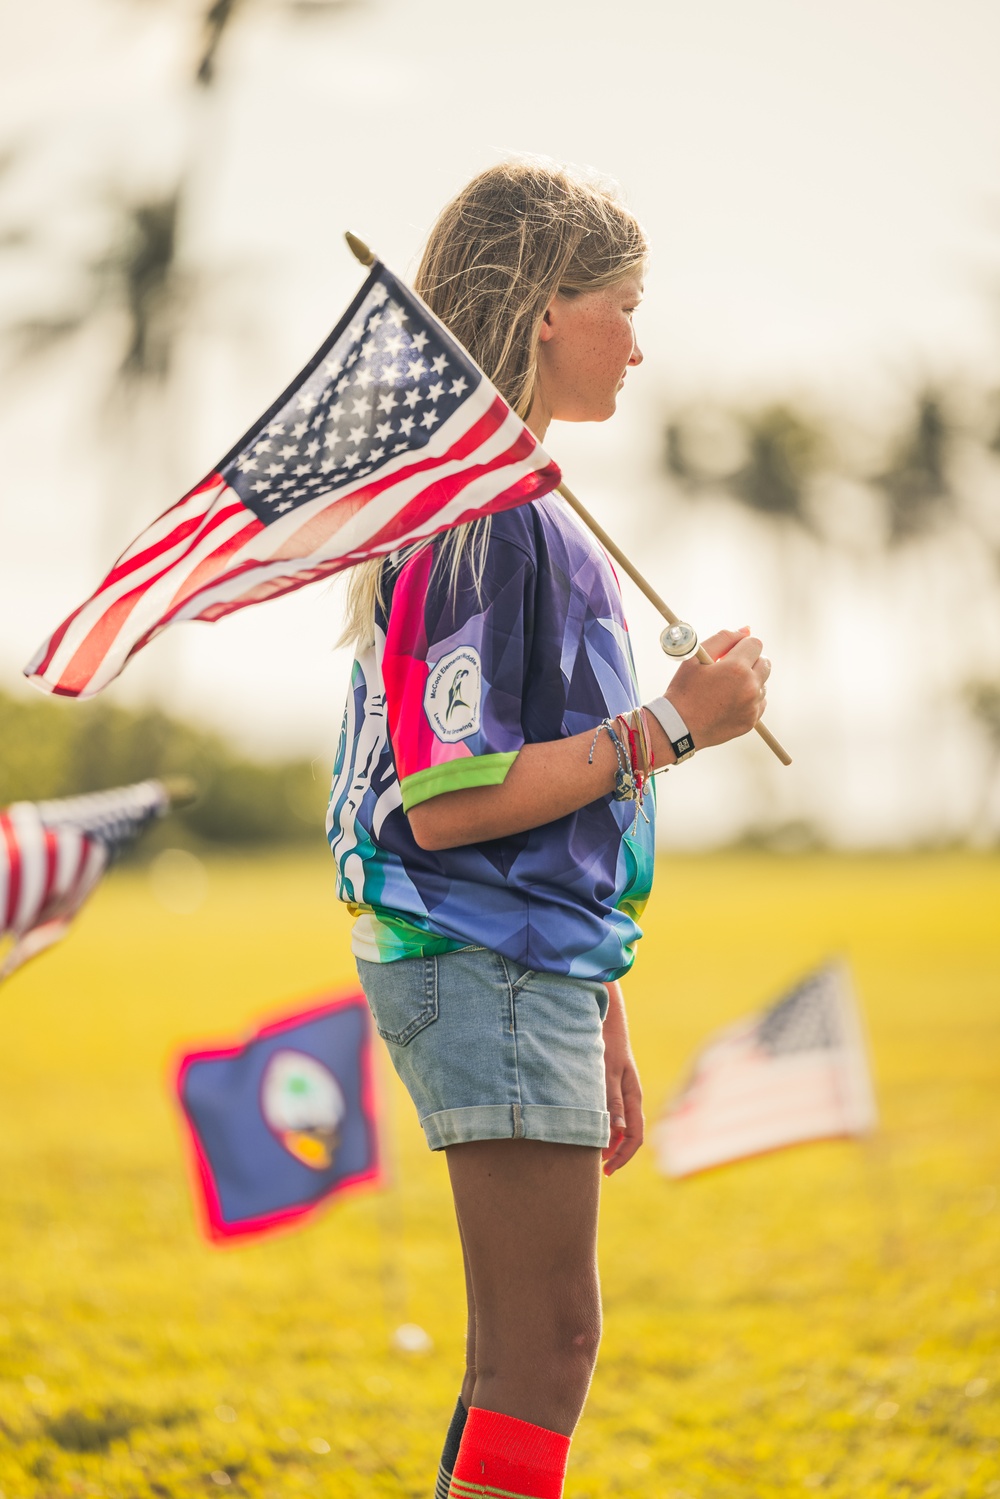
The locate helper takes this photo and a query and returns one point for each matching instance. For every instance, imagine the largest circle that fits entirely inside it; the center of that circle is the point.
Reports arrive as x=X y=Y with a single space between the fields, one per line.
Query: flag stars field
x=276 y=515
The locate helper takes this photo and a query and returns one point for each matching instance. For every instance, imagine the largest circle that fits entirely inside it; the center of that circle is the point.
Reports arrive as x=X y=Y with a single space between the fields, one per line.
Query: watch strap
x=673 y=726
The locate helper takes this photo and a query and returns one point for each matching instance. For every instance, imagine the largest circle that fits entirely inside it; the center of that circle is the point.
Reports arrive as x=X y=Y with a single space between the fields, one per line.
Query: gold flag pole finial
x=359 y=249
x=181 y=790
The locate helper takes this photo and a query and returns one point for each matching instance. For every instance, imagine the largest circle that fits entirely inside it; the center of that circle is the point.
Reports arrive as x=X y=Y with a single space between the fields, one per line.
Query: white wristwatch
x=673 y=726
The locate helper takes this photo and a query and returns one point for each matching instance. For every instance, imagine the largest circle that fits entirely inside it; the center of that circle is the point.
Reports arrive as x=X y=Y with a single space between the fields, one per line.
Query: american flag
x=390 y=433
x=52 y=854
x=796 y=1071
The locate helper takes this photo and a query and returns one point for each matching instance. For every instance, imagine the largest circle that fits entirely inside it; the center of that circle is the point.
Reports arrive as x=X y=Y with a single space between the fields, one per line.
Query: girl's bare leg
x=527 y=1213
x=469 y=1380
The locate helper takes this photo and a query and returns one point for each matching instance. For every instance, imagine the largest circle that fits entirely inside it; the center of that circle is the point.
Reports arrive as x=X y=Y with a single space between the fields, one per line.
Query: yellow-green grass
x=823 y=1320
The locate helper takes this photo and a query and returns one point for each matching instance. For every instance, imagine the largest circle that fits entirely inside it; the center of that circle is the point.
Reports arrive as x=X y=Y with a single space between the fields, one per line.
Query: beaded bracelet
x=640 y=750
x=624 y=789
x=630 y=779
x=640 y=753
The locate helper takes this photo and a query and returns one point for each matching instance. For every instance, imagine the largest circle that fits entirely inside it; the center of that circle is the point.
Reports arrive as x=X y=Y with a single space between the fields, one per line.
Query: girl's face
x=586 y=345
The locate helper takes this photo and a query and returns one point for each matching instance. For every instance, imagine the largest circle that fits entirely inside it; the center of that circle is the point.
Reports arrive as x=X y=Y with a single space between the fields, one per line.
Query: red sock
x=504 y=1458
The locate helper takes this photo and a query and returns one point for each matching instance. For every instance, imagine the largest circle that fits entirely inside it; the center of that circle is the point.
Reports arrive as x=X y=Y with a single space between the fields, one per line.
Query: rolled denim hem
x=529 y=1121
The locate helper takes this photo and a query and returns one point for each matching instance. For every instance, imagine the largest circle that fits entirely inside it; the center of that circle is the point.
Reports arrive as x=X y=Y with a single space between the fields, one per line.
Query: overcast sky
x=819 y=181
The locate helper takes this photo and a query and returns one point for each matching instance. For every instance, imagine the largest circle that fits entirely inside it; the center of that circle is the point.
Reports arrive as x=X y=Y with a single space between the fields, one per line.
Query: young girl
x=484 y=823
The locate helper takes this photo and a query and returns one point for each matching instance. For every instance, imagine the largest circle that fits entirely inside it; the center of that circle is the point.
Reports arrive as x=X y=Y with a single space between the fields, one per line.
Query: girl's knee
x=581 y=1338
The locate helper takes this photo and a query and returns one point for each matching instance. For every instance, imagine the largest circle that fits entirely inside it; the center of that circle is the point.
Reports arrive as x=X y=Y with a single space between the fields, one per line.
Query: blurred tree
x=993 y=441
x=50 y=748
x=221 y=13
x=784 y=454
x=774 y=453
x=143 y=265
x=982 y=698
x=134 y=279
x=214 y=23
x=137 y=273
x=916 y=484
x=139 y=283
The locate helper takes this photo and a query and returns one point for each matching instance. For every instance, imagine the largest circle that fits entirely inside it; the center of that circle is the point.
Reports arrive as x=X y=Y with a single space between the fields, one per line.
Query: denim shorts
x=491 y=1050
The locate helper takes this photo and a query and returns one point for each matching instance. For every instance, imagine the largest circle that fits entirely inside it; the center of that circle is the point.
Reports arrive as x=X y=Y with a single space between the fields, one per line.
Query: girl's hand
x=624 y=1091
x=722 y=701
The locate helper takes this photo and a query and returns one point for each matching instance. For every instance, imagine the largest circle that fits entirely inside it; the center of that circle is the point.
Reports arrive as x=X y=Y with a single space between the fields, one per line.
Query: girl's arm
x=623 y=1089
x=548 y=781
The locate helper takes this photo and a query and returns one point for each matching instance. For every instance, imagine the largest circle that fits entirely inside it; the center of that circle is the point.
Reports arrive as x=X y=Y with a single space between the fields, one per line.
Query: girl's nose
x=637 y=354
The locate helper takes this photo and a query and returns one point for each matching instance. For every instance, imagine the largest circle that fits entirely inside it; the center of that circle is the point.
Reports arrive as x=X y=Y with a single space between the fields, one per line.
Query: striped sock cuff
x=449 y=1455
x=443 y=1486
x=504 y=1458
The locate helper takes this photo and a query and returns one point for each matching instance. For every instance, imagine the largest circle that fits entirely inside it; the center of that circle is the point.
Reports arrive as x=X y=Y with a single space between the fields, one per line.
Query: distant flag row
x=286 y=1119
x=282 y=1121
x=277 y=1123
x=390 y=434
x=53 y=854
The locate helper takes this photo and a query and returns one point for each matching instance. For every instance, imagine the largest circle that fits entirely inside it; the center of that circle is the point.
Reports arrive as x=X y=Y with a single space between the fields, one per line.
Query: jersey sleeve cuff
x=455 y=775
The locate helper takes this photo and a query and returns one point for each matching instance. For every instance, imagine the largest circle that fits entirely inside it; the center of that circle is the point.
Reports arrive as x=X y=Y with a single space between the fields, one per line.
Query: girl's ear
x=547 y=327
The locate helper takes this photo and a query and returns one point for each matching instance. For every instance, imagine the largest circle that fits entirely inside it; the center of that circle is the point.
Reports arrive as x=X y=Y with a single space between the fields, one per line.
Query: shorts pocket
x=402 y=996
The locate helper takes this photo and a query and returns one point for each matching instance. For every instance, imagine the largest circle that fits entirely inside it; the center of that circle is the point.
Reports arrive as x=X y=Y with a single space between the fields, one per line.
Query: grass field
x=819 y=1321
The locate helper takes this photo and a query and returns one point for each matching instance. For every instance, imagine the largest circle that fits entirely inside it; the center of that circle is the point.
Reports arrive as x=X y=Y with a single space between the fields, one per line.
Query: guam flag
x=282 y=1121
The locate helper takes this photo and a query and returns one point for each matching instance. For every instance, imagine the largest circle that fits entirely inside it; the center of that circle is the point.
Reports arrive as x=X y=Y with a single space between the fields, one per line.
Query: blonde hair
x=499 y=252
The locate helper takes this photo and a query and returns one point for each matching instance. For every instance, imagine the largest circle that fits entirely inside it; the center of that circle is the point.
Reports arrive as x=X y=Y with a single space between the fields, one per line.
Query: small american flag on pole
x=796 y=1071
x=53 y=854
x=390 y=433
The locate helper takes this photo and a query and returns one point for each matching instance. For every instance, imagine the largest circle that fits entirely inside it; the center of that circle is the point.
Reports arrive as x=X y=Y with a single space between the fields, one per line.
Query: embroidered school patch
x=453 y=695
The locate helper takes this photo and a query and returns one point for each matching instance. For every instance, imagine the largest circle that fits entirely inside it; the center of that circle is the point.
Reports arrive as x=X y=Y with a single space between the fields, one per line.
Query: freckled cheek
x=614 y=344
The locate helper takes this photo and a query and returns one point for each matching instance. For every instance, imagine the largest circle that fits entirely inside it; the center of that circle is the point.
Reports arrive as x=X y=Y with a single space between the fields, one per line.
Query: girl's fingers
x=627 y=1127
x=722 y=642
x=618 y=1128
x=611 y=1149
x=622 y=1153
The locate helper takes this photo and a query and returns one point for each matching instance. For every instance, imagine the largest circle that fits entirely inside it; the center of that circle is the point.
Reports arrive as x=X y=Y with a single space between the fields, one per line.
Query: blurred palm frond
x=766 y=458
x=915 y=484
x=993 y=441
x=140 y=273
x=220 y=14
x=982 y=697
x=214 y=24
x=135 y=275
x=676 y=456
x=784 y=452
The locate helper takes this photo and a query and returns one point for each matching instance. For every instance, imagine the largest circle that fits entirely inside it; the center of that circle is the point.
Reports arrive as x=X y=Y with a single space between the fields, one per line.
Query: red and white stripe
x=742 y=1101
x=53 y=853
x=209 y=555
x=46 y=875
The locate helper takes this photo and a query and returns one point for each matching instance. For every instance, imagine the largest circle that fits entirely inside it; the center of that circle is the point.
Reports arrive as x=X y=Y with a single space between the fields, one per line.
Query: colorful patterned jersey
x=459 y=678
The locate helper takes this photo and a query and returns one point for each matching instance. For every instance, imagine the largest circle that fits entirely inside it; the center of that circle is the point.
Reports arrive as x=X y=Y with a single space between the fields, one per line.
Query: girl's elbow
x=428 y=831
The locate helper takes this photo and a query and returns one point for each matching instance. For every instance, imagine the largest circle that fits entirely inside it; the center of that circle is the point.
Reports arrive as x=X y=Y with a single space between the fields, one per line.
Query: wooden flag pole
x=654 y=598
x=361 y=251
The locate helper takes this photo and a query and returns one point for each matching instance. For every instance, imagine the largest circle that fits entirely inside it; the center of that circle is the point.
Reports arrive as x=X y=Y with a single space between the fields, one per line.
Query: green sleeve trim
x=455 y=775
